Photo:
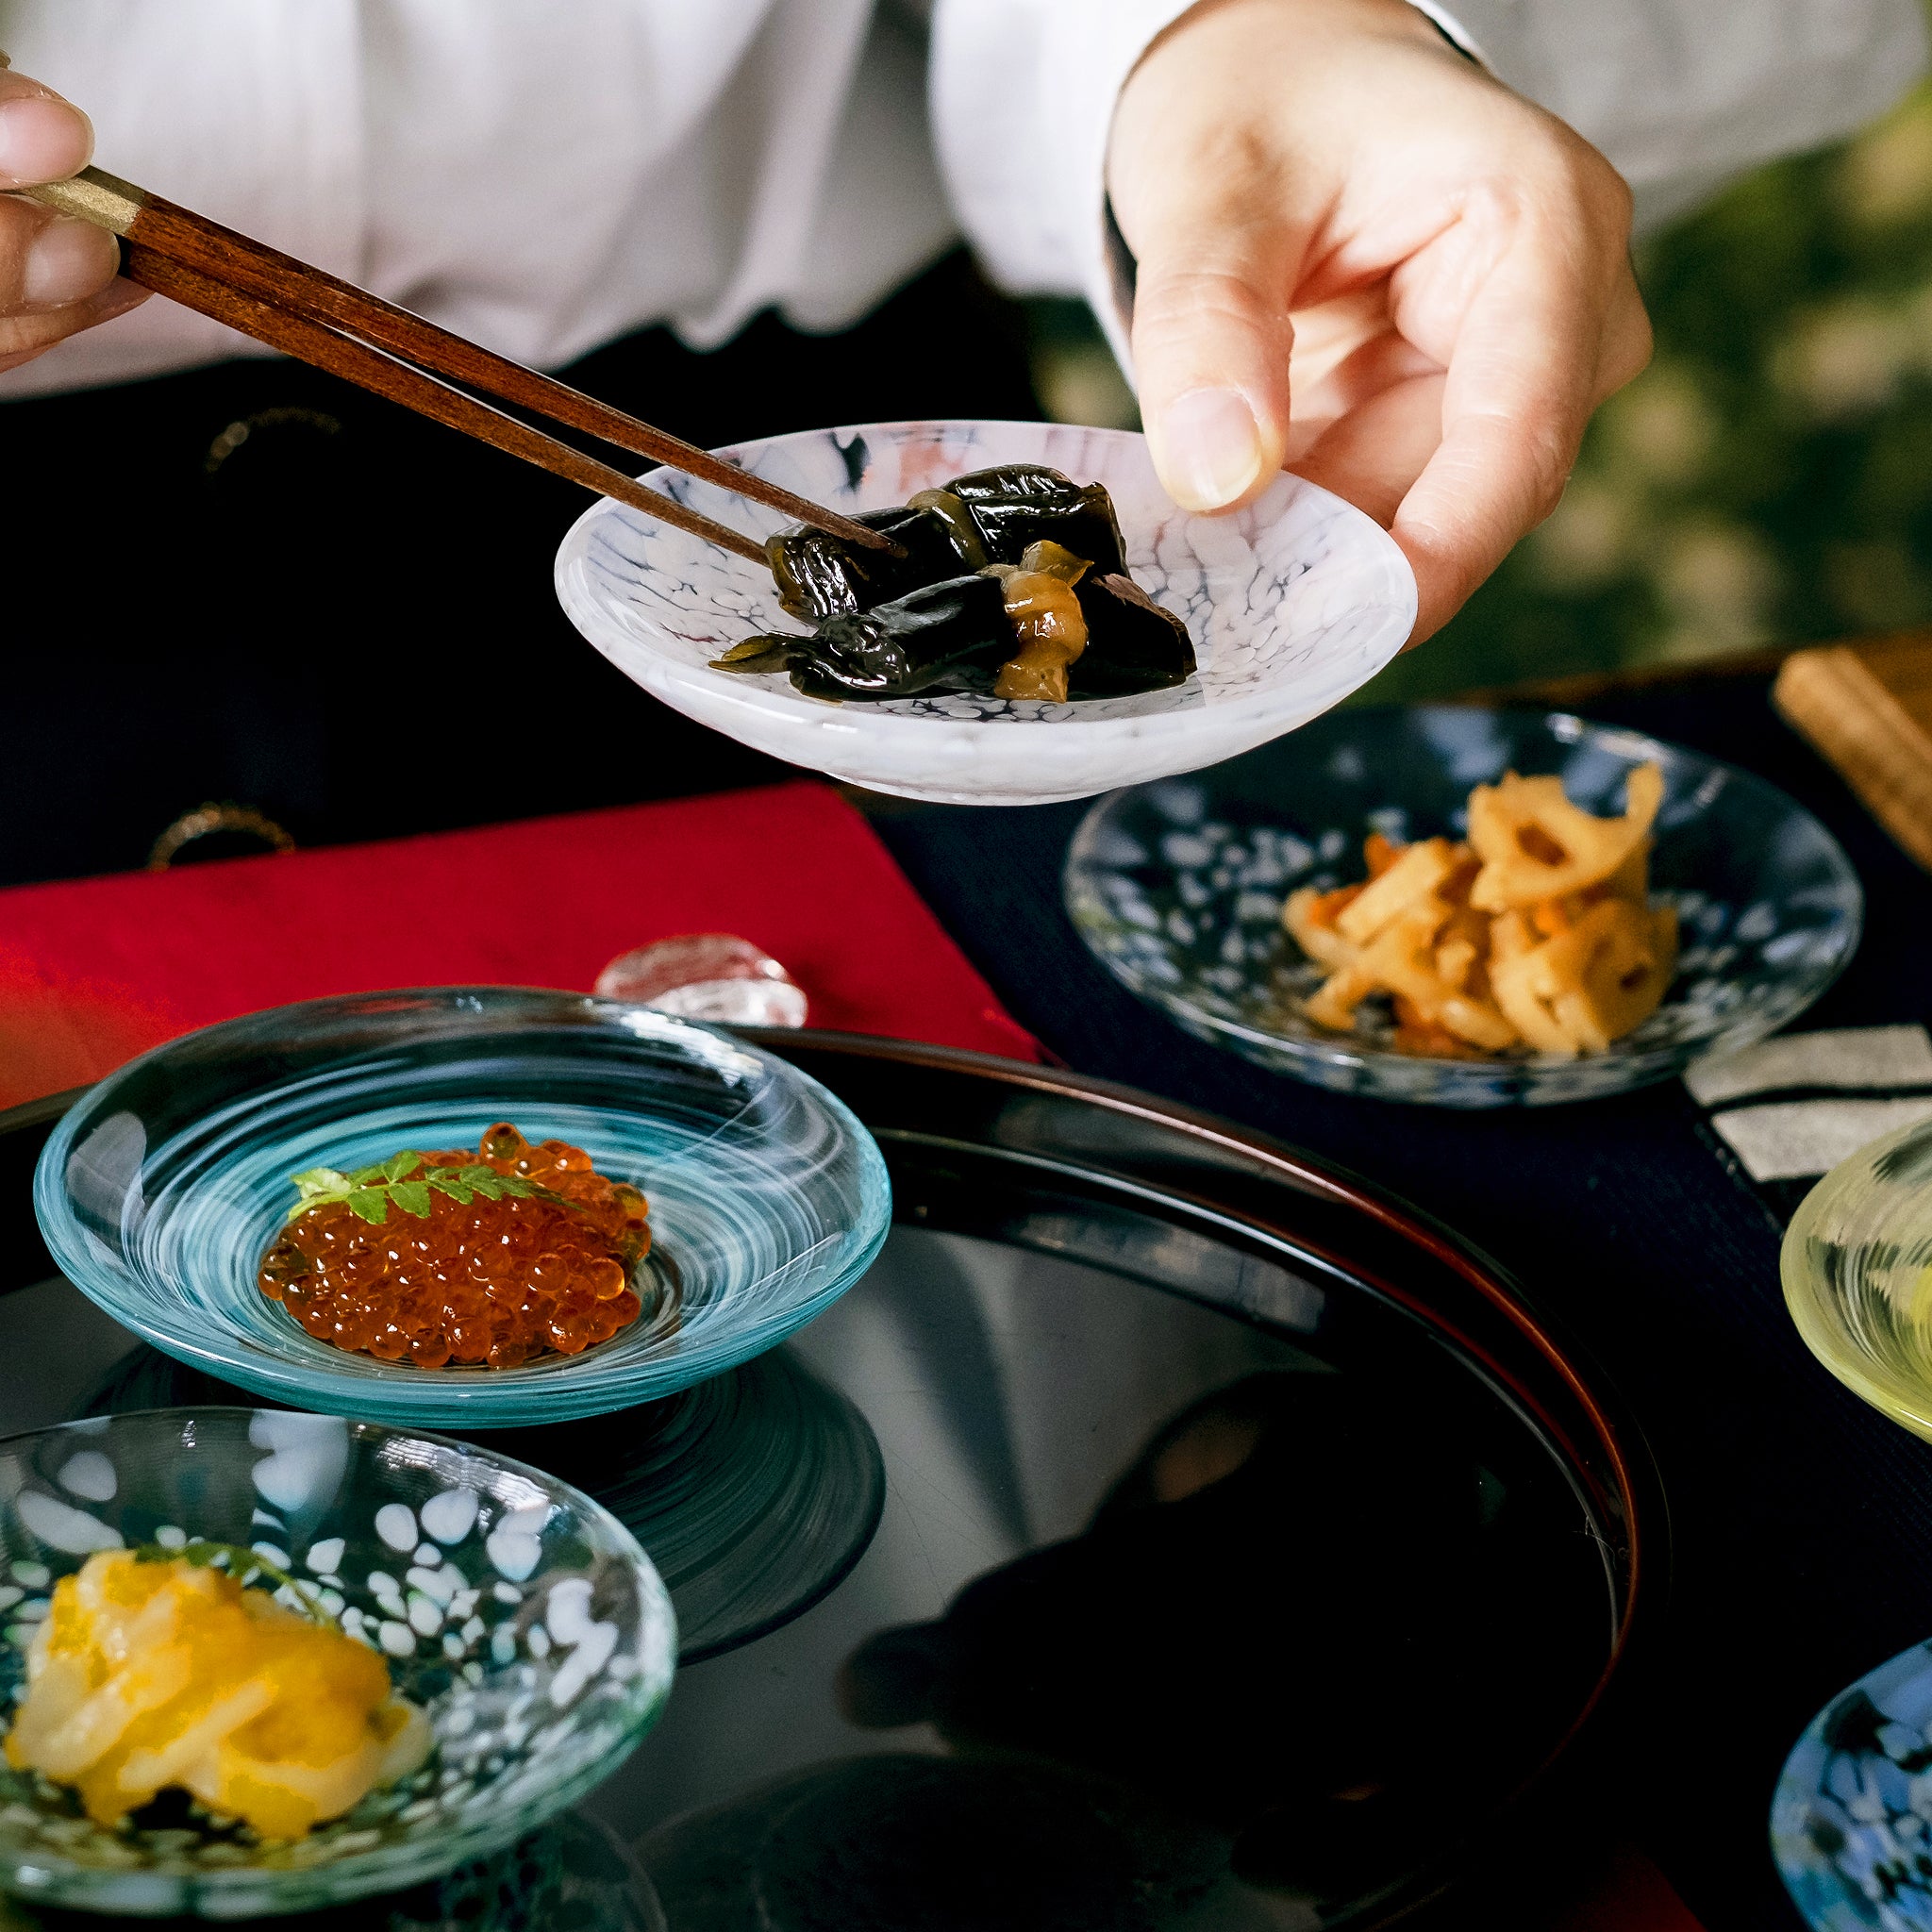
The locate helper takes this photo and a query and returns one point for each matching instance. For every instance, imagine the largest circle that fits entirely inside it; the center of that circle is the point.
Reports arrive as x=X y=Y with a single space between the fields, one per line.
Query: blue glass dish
x=1851 y=1820
x=1177 y=889
x=520 y=1615
x=161 y=1189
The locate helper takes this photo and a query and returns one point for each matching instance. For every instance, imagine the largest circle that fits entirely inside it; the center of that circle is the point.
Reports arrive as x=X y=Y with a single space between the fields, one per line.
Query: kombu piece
x=1019 y=504
x=1132 y=644
x=820 y=575
x=954 y=612
x=953 y=634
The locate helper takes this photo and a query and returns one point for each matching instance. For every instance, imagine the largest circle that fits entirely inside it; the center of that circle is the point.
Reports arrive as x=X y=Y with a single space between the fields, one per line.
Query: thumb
x=1211 y=336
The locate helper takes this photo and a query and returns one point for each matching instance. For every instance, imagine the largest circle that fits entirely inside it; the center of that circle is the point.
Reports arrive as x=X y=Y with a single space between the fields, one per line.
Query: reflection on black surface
x=1319 y=1624
x=907 y=1843
x=753 y=1493
x=1307 y=1617
x=572 y=1875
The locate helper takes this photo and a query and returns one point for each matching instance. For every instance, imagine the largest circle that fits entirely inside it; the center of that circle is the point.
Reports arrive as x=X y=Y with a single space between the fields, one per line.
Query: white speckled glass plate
x=1292 y=603
x=518 y=1614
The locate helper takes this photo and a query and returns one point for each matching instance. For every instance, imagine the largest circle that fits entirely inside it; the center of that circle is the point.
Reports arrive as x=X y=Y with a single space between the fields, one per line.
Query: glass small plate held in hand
x=1292 y=602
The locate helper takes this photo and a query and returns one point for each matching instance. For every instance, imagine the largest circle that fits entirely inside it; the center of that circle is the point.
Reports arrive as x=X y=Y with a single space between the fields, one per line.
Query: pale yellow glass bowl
x=1858 y=1275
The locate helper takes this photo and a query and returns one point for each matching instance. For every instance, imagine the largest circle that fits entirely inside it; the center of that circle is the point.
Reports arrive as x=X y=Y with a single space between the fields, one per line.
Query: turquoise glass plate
x=161 y=1189
x=521 y=1615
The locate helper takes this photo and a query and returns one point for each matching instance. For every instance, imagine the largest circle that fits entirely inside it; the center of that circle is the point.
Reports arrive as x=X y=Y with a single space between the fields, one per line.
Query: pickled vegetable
x=953 y=634
x=1019 y=504
x=1132 y=644
x=1012 y=581
x=151 y=1674
x=820 y=575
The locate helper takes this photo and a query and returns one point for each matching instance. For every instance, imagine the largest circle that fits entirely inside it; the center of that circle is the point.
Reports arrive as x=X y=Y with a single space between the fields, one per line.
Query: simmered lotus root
x=1309 y=917
x=1402 y=958
x=1535 y=844
x=1415 y=875
x=1403 y=915
x=1607 y=974
x=1538 y=933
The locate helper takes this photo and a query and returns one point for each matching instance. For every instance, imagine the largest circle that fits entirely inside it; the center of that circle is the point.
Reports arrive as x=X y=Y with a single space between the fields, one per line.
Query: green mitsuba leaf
x=368 y=1190
x=321 y=1180
x=372 y=1204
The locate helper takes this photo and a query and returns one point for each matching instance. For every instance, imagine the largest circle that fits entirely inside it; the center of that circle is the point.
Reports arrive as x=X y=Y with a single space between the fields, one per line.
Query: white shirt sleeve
x=1022 y=100
x=1684 y=94
x=1680 y=95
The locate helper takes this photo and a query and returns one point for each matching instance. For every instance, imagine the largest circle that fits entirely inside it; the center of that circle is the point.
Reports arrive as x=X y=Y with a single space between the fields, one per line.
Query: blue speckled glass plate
x=1851 y=1820
x=159 y=1191
x=520 y=1615
x=1177 y=888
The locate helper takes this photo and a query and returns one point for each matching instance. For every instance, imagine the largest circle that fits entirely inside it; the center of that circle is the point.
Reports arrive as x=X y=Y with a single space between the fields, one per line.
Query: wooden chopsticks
x=318 y=319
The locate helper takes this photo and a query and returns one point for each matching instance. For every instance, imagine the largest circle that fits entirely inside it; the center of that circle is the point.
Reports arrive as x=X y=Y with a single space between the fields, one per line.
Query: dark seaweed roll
x=820 y=575
x=1018 y=503
x=953 y=634
x=1132 y=645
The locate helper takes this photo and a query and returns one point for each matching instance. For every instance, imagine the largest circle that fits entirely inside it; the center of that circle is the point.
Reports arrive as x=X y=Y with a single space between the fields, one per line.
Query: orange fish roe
x=494 y=1282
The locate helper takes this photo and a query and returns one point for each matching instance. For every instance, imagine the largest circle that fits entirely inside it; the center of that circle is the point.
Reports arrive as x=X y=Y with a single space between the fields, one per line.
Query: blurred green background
x=1768 y=480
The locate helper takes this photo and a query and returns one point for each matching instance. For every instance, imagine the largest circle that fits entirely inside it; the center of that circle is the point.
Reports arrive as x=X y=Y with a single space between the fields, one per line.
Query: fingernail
x=42 y=140
x=1212 y=446
x=68 y=261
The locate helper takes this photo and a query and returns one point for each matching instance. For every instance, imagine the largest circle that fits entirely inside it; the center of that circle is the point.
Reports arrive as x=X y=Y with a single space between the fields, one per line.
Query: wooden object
x=1868 y=709
x=319 y=319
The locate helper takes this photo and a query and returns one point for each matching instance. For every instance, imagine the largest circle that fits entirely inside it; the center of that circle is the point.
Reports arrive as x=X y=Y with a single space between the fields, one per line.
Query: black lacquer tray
x=1169 y=1532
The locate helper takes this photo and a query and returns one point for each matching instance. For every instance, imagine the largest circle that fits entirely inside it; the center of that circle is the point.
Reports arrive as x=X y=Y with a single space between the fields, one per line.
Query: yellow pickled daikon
x=149 y=1675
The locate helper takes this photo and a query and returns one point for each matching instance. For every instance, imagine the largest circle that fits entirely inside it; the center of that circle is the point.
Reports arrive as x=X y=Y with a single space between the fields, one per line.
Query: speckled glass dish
x=1293 y=603
x=1858 y=1276
x=1851 y=1820
x=160 y=1190
x=523 y=1617
x=1177 y=888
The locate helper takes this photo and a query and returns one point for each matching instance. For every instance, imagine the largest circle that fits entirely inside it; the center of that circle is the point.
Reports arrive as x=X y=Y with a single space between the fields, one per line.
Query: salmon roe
x=493 y=1283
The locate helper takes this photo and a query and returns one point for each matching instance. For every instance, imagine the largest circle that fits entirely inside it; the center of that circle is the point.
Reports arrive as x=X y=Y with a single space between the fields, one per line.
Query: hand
x=1327 y=201
x=57 y=274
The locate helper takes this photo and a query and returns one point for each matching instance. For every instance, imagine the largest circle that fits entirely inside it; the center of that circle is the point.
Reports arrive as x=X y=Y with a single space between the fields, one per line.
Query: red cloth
x=94 y=969
x=1625 y=1893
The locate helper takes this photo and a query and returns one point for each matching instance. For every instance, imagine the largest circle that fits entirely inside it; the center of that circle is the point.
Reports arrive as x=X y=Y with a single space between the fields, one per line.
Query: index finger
x=1523 y=378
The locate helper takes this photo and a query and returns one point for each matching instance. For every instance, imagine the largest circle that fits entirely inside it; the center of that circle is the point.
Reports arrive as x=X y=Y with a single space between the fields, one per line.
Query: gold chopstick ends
x=93 y=195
